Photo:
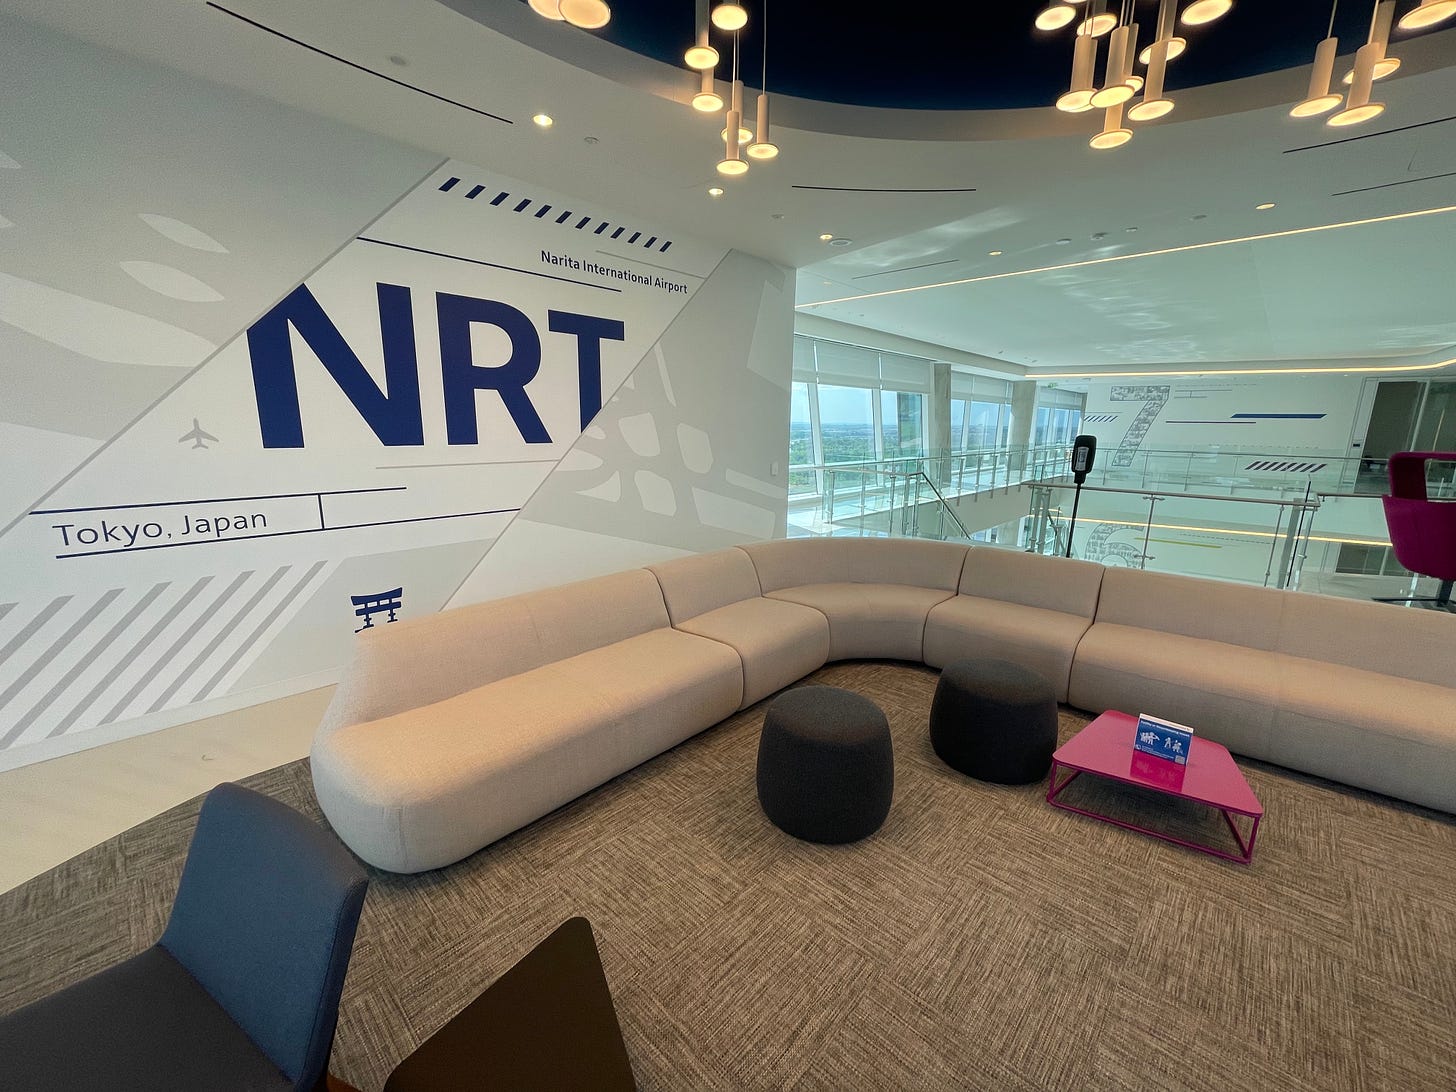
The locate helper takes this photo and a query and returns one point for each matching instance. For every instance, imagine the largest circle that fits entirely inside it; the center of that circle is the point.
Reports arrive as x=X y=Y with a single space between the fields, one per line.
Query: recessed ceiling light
x=1064 y=242
x=994 y=253
x=543 y=120
x=715 y=191
x=547 y=9
x=826 y=238
x=1096 y=235
x=840 y=242
x=1265 y=205
x=395 y=58
x=1129 y=230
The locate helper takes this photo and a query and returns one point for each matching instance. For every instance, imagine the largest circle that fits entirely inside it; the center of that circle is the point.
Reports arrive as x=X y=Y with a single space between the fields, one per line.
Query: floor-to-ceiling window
x=802 y=452
x=1058 y=416
x=852 y=404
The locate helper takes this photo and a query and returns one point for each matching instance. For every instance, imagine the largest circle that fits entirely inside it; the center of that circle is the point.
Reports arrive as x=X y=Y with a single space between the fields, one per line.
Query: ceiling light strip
x=1140 y=254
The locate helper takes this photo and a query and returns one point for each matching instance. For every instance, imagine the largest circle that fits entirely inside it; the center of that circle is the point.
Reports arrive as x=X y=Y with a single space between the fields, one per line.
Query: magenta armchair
x=1422 y=531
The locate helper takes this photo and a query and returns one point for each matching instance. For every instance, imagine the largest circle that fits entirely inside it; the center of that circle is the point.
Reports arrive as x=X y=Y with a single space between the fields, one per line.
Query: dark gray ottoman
x=995 y=721
x=826 y=770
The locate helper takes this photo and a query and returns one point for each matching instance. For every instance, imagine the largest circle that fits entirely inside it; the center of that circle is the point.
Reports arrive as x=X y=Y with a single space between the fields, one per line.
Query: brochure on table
x=1163 y=738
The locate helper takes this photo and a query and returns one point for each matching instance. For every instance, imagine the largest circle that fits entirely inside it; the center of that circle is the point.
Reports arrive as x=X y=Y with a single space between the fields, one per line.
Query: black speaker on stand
x=1084 y=453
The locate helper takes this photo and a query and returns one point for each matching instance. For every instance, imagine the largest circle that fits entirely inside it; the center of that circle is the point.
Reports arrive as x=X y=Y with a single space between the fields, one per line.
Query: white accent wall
x=269 y=378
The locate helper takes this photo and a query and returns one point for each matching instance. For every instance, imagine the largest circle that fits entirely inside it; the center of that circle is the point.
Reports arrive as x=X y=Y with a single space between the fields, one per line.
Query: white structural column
x=938 y=439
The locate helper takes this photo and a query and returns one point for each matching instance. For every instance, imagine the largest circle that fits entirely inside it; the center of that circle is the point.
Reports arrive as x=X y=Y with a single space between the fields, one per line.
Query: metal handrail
x=1295 y=539
x=945 y=508
x=1164 y=494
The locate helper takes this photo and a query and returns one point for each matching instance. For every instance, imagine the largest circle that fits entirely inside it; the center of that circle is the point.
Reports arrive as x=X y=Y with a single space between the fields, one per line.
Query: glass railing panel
x=1349 y=552
x=1251 y=541
x=1283 y=473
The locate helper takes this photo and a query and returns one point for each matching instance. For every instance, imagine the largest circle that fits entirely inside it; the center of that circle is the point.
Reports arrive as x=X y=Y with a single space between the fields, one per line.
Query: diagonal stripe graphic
x=134 y=654
x=223 y=633
x=6 y=608
x=33 y=626
x=177 y=645
x=57 y=647
x=262 y=628
x=87 y=660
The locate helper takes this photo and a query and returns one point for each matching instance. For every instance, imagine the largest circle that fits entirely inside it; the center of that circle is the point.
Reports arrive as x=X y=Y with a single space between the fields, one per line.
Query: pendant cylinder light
x=587 y=14
x=1154 y=105
x=1164 y=32
x=1167 y=20
x=1427 y=14
x=731 y=164
x=1176 y=47
x=1115 y=90
x=762 y=147
x=1099 y=20
x=1358 y=106
x=701 y=54
x=1380 y=35
x=735 y=109
x=730 y=16
x=1320 y=100
x=1129 y=55
x=1113 y=134
x=1078 y=98
x=1200 y=12
x=1055 y=15
x=707 y=100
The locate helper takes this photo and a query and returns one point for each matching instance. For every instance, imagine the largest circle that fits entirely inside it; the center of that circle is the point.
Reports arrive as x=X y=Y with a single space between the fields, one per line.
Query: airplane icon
x=197 y=435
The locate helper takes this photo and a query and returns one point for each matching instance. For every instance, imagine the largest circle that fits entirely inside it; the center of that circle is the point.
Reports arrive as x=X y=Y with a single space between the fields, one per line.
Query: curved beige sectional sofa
x=451 y=731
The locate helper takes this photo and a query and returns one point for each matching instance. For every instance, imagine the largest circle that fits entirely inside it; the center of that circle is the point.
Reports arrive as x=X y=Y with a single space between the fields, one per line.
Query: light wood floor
x=53 y=810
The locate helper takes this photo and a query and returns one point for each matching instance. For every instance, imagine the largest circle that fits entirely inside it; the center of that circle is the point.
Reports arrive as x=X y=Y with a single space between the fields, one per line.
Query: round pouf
x=995 y=721
x=826 y=769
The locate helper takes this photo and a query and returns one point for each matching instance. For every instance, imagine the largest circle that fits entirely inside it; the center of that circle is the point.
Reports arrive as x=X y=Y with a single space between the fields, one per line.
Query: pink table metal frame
x=1105 y=749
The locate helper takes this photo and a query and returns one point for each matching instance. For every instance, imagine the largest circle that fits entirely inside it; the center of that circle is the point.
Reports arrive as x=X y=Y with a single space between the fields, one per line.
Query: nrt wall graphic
x=485 y=364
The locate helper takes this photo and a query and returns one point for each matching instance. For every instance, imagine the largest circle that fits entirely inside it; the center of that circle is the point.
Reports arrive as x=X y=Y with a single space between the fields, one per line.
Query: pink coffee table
x=1104 y=749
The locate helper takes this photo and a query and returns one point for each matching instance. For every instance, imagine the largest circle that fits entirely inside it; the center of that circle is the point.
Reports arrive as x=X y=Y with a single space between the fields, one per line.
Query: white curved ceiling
x=1373 y=292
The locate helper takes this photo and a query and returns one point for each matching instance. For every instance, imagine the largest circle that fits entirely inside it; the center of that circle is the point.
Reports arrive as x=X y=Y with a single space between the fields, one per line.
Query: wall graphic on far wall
x=1153 y=396
x=364 y=435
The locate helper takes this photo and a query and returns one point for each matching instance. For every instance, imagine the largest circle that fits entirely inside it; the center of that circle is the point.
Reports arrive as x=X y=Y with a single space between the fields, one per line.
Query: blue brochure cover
x=1163 y=738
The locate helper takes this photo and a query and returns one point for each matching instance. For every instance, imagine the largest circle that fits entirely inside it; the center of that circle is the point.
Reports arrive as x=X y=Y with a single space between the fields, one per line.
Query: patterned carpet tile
x=979 y=940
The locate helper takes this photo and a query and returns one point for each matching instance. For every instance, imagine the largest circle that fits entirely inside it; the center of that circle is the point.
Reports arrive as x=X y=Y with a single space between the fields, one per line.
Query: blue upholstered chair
x=242 y=990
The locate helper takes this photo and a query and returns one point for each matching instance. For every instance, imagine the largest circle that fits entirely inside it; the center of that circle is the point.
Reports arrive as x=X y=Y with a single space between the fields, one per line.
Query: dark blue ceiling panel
x=974 y=55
